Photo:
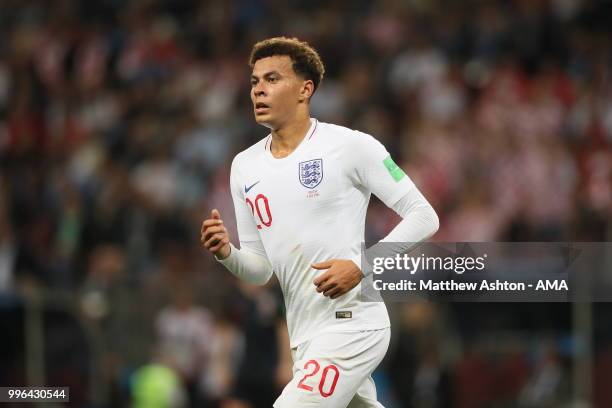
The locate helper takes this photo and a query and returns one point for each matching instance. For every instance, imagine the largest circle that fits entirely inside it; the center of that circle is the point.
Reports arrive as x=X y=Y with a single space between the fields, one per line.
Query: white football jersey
x=310 y=207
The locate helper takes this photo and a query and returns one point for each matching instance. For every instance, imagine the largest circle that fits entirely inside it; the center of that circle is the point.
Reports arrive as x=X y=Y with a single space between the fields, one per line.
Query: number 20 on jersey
x=261 y=206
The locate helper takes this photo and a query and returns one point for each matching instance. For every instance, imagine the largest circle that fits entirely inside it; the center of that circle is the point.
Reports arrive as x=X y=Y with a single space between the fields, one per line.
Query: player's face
x=276 y=91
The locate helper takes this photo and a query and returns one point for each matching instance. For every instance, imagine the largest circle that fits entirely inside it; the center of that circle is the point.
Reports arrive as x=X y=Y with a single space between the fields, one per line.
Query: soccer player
x=300 y=196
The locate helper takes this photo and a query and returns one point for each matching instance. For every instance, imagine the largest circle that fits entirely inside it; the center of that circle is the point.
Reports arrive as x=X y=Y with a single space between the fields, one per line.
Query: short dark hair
x=306 y=60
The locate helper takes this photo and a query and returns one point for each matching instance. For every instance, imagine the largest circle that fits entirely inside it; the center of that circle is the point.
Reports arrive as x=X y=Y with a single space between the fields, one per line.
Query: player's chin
x=263 y=119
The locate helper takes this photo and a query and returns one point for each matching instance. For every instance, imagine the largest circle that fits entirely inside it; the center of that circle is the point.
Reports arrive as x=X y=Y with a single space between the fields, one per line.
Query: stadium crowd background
x=118 y=123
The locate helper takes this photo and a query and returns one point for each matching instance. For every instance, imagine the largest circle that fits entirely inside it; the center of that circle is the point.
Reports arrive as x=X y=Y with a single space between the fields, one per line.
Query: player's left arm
x=371 y=166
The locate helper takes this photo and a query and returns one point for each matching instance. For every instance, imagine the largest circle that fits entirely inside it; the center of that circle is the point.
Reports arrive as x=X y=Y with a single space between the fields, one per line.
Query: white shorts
x=335 y=370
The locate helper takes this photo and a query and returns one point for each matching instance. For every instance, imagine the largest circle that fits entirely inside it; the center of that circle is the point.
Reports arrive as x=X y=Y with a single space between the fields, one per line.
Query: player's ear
x=306 y=91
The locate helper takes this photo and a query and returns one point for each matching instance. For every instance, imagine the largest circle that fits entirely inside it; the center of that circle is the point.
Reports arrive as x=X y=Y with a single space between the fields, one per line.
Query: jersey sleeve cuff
x=365 y=268
x=229 y=258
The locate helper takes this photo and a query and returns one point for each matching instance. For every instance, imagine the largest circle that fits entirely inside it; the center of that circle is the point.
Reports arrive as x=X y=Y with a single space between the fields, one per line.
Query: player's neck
x=287 y=138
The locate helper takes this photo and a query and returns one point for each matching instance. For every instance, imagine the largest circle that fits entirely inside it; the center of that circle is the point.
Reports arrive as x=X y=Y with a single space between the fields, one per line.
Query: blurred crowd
x=119 y=121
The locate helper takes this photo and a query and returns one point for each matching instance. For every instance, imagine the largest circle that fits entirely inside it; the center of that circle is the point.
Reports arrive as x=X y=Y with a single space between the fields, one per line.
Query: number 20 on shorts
x=326 y=370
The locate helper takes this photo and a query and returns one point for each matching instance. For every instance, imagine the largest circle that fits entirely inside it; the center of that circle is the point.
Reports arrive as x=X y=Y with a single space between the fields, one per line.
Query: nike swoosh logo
x=246 y=189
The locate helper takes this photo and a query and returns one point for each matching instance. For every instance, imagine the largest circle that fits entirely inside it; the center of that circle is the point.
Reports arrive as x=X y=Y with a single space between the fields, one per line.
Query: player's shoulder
x=251 y=153
x=336 y=132
x=343 y=135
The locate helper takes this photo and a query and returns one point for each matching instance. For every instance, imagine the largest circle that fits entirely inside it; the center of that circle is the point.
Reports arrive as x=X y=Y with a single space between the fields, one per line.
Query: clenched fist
x=214 y=236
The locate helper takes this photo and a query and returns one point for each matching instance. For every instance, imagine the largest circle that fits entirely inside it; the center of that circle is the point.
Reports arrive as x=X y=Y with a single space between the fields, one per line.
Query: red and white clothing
x=310 y=207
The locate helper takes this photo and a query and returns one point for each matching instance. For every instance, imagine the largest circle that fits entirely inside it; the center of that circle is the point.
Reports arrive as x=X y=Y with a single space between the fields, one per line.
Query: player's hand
x=214 y=236
x=341 y=276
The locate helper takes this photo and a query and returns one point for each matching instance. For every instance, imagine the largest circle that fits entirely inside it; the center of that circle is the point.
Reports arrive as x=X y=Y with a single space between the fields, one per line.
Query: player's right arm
x=250 y=262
